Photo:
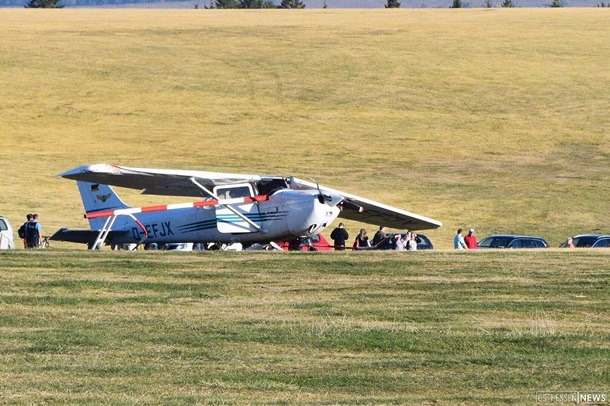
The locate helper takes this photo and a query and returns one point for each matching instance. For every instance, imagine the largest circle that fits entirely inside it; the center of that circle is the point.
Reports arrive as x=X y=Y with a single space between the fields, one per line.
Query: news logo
x=573 y=397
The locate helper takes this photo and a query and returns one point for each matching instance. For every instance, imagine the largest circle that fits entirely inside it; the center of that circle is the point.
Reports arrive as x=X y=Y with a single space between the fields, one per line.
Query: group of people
x=31 y=232
x=468 y=242
x=381 y=240
x=396 y=241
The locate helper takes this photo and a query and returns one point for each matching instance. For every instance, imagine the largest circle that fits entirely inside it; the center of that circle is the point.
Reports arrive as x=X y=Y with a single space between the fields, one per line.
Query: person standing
x=399 y=242
x=412 y=243
x=33 y=233
x=339 y=236
x=471 y=240
x=362 y=240
x=458 y=241
x=21 y=230
x=379 y=236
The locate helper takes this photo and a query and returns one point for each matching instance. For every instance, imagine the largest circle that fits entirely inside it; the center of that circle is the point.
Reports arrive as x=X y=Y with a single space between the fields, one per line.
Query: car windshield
x=422 y=239
x=495 y=242
x=584 y=242
x=3 y=226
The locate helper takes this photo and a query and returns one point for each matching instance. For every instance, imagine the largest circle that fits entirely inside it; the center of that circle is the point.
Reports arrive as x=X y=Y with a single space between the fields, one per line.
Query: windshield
x=270 y=186
x=495 y=242
x=584 y=242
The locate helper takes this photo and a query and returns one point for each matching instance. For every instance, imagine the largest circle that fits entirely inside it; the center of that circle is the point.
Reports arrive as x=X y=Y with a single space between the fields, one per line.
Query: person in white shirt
x=412 y=242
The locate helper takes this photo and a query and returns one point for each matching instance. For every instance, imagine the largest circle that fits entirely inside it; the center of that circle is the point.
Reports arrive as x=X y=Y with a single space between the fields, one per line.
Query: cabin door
x=228 y=221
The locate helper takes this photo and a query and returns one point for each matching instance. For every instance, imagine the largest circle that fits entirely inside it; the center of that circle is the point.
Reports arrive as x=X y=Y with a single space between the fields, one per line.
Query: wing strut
x=234 y=210
x=101 y=237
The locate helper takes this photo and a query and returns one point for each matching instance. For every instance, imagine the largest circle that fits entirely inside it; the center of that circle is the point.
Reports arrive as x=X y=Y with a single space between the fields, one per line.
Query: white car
x=7 y=240
x=189 y=246
x=185 y=246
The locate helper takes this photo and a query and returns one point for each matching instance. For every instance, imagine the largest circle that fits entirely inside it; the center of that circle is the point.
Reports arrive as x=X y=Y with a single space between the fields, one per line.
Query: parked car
x=423 y=242
x=183 y=246
x=512 y=241
x=7 y=239
x=589 y=241
x=189 y=246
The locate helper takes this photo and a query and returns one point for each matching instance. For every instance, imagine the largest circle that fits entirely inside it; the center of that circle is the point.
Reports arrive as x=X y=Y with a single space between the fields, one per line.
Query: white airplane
x=230 y=208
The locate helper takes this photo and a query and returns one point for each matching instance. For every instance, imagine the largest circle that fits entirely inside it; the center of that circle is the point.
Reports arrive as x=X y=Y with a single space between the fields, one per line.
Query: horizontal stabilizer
x=83 y=236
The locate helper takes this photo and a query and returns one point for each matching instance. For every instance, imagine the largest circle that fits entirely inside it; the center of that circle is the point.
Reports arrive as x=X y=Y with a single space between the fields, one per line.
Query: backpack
x=21 y=231
x=31 y=232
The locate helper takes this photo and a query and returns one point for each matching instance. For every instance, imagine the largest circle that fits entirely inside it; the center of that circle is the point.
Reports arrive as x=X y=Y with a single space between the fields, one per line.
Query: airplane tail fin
x=98 y=197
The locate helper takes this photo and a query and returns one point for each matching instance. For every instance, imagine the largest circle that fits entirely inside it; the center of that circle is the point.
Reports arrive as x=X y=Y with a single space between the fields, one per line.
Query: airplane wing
x=178 y=183
x=157 y=181
x=371 y=212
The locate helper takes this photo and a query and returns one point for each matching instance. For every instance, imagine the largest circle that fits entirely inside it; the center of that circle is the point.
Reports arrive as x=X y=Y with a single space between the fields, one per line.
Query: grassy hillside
x=265 y=328
x=496 y=119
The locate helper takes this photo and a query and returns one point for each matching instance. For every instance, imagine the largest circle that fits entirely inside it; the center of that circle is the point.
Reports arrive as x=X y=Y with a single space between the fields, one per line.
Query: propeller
x=329 y=199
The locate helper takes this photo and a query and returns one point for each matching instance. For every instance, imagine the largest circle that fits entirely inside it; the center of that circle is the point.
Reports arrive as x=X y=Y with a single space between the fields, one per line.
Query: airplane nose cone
x=312 y=212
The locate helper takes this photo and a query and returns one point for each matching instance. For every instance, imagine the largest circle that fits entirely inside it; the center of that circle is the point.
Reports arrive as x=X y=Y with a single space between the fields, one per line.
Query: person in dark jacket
x=33 y=233
x=362 y=240
x=339 y=236
x=380 y=236
x=21 y=230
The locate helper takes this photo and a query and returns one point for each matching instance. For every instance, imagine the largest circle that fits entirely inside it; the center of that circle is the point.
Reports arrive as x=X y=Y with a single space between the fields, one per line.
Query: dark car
x=589 y=241
x=423 y=242
x=512 y=241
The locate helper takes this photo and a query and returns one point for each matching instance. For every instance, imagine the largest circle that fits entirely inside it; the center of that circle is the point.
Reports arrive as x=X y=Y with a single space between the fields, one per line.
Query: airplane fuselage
x=287 y=214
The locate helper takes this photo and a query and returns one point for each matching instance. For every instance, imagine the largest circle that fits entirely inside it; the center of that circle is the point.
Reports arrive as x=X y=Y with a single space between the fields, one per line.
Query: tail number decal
x=154 y=230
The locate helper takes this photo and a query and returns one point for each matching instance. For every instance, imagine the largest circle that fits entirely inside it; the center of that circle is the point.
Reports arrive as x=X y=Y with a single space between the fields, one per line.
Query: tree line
x=240 y=4
x=254 y=4
x=210 y=5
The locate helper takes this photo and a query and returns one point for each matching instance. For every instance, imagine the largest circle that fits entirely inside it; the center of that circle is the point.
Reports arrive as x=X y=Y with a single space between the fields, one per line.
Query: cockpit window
x=268 y=187
x=233 y=192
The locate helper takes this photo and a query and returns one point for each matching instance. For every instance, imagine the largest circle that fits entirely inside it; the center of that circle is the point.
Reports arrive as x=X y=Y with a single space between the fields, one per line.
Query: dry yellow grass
x=495 y=119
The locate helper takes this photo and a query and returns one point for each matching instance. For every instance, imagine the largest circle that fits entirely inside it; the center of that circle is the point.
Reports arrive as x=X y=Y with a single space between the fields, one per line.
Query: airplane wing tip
x=91 y=168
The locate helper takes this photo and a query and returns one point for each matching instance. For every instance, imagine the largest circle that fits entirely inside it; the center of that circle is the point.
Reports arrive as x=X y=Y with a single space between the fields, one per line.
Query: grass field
x=263 y=328
x=495 y=119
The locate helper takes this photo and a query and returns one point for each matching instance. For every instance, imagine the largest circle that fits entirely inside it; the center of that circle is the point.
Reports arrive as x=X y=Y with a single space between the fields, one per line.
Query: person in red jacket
x=471 y=240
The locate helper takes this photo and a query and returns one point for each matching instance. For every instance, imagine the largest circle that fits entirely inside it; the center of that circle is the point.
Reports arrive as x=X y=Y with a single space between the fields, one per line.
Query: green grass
x=265 y=328
x=495 y=119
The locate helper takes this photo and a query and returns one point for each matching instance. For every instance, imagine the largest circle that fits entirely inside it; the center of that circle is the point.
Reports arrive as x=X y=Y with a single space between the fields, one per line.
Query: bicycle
x=44 y=243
